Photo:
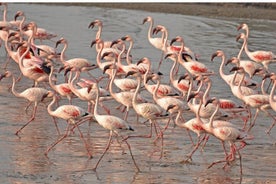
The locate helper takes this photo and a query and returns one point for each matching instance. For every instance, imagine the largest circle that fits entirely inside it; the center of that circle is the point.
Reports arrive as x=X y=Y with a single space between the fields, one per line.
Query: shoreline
x=213 y=10
x=266 y=11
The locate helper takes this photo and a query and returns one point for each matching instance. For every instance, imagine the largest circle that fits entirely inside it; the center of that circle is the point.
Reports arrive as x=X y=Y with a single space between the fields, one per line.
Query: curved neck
x=172 y=71
x=134 y=99
x=198 y=110
x=62 y=54
x=52 y=84
x=211 y=121
x=150 y=29
x=155 y=97
x=22 y=23
x=5 y=12
x=222 y=74
x=271 y=95
x=98 y=35
x=128 y=52
x=245 y=46
x=20 y=62
x=119 y=61
x=114 y=71
x=50 y=106
x=13 y=88
x=206 y=93
x=71 y=83
x=97 y=103
x=239 y=85
x=98 y=59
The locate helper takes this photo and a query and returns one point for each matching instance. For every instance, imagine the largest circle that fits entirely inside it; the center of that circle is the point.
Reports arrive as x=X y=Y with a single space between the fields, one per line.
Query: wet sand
x=212 y=10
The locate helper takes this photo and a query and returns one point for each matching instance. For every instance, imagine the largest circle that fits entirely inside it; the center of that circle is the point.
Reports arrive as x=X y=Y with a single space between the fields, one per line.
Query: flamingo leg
x=30 y=120
x=85 y=143
x=55 y=121
x=58 y=140
x=189 y=156
x=106 y=148
x=254 y=120
x=129 y=148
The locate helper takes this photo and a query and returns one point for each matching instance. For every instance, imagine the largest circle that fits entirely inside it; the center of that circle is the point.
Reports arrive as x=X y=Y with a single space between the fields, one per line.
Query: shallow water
x=22 y=159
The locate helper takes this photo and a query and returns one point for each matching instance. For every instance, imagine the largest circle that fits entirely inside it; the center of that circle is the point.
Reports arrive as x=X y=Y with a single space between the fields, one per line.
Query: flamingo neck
x=5 y=13
x=96 y=114
x=101 y=46
x=71 y=83
x=128 y=52
x=239 y=86
x=119 y=61
x=50 y=79
x=50 y=106
x=13 y=87
x=114 y=71
x=155 y=97
x=206 y=93
x=172 y=71
x=271 y=95
x=134 y=99
x=211 y=121
x=222 y=74
x=62 y=54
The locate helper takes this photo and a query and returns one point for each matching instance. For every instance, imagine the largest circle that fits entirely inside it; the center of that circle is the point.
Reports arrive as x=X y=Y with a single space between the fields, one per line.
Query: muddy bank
x=213 y=10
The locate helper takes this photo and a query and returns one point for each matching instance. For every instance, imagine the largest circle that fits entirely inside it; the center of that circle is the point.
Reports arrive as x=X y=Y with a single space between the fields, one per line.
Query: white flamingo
x=115 y=125
x=259 y=56
x=34 y=95
x=73 y=115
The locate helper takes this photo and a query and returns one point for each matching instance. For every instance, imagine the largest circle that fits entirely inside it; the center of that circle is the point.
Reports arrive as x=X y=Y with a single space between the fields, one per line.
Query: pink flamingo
x=74 y=115
x=192 y=66
x=115 y=125
x=33 y=95
x=227 y=133
x=260 y=56
x=258 y=101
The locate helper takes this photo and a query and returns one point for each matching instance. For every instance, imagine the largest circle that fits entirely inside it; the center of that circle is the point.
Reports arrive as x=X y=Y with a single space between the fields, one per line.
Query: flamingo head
x=126 y=38
x=5 y=75
x=115 y=42
x=241 y=36
x=172 y=106
x=60 y=41
x=260 y=71
x=147 y=19
x=97 y=41
x=195 y=95
x=213 y=100
x=109 y=66
x=95 y=23
x=46 y=95
x=218 y=53
x=234 y=60
x=18 y=14
x=237 y=68
x=172 y=56
x=177 y=39
x=183 y=77
x=242 y=26
x=143 y=60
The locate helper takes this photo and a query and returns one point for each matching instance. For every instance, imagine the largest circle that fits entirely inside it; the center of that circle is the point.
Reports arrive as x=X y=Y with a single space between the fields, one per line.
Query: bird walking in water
x=33 y=95
x=115 y=125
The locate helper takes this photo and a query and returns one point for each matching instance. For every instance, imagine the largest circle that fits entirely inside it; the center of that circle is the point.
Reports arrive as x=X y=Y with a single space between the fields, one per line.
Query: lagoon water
x=22 y=159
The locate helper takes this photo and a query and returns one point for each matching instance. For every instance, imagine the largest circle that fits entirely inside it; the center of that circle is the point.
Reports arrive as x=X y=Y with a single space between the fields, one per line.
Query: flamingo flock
x=139 y=88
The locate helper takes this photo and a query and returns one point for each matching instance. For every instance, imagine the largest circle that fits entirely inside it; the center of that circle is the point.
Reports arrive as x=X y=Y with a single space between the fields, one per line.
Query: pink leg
x=30 y=120
x=59 y=140
x=129 y=148
x=106 y=148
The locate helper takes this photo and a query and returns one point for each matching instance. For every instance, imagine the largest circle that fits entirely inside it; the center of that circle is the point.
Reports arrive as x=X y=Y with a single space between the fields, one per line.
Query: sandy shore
x=214 y=10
